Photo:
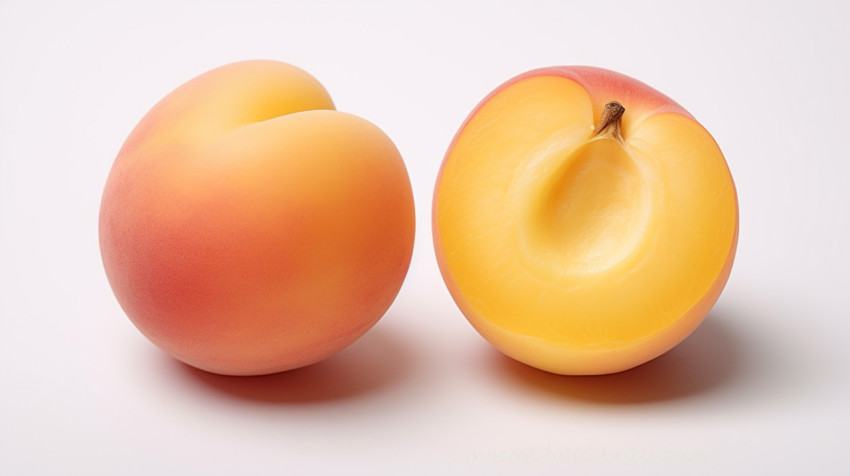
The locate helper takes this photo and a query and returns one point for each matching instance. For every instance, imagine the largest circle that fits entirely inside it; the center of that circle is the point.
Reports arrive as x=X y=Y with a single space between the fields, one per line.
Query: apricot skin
x=248 y=228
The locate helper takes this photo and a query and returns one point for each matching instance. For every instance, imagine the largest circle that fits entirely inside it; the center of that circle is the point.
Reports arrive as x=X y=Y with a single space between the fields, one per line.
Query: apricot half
x=247 y=227
x=584 y=223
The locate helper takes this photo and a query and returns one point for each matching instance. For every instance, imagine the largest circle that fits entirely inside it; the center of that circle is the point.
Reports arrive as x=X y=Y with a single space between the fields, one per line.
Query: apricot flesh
x=576 y=253
x=247 y=227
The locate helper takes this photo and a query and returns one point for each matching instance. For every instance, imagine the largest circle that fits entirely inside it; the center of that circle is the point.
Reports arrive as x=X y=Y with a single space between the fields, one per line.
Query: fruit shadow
x=710 y=358
x=376 y=361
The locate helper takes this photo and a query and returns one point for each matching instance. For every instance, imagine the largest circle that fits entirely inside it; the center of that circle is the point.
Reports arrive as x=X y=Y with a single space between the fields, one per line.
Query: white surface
x=761 y=388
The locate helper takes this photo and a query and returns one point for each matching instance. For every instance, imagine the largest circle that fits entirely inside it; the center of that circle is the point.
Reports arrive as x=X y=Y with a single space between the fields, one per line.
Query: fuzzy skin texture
x=247 y=227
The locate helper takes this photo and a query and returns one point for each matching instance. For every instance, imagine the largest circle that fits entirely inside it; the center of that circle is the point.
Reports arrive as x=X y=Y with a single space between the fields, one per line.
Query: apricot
x=247 y=227
x=583 y=222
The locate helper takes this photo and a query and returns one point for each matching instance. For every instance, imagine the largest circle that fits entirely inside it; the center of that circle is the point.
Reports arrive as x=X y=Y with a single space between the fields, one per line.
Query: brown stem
x=610 y=126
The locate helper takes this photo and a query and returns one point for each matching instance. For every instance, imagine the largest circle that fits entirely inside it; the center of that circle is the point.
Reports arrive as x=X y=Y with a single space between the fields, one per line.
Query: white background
x=761 y=388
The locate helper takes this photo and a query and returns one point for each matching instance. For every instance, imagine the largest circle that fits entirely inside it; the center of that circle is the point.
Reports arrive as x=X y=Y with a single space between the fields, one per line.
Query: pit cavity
x=591 y=212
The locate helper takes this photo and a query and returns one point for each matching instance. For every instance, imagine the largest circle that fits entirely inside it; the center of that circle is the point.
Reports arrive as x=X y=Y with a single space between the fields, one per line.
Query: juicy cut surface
x=551 y=232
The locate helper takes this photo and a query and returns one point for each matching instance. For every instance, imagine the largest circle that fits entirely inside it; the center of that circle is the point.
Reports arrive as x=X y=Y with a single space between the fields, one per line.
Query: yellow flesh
x=582 y=242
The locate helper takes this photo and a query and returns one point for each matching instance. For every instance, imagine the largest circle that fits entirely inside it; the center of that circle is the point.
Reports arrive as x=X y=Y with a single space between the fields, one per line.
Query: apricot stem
x=610 y=124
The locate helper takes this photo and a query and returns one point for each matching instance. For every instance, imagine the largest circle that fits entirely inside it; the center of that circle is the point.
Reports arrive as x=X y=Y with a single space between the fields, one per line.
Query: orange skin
x=641 y=102
x=248 y=228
